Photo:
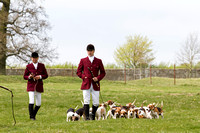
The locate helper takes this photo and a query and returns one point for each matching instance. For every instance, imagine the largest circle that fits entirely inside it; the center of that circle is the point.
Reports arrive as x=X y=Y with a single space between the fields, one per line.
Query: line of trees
x=137 y=52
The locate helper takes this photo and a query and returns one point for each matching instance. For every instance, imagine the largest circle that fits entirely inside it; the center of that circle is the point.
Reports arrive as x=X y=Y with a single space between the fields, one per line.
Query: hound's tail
x=157 y=104
x=161 y=105
x=143 y=103
x=76 y=107
x=133 y=102
x=82 y=102
x=117 y=103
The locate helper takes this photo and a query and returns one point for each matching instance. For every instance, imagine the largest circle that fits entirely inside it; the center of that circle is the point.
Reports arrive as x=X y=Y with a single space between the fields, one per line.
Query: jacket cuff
x=98 y=78
x=82 y=76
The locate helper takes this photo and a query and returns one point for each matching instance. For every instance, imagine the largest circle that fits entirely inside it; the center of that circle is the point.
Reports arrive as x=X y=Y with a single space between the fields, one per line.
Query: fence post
x=134 y=73
x=72 y=70
x=140 y=71
x=150 y=75
x=174 y=74
x=125 y=73
x=195 y=72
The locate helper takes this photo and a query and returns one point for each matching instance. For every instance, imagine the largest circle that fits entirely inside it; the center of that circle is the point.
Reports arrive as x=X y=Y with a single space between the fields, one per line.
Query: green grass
x=181 y=105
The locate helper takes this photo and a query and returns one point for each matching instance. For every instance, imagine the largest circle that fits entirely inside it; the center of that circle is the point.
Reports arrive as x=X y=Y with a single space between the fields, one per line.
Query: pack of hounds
x=116 y=110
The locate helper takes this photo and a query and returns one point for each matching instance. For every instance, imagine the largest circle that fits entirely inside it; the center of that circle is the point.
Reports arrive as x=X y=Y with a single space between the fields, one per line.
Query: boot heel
x=94 y=109
x=35 y=111
x=31 y=113
x=86 y=111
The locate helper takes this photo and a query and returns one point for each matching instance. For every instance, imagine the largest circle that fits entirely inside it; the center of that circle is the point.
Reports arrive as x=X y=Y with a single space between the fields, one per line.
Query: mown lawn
x=181 y=105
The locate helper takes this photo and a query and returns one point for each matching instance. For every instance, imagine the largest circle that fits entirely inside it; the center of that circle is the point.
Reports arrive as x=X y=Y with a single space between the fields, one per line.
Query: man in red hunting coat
x=89 y=67
x=35 y=73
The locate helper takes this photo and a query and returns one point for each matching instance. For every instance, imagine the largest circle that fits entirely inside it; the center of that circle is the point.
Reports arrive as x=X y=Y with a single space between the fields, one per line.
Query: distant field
x=181 y=105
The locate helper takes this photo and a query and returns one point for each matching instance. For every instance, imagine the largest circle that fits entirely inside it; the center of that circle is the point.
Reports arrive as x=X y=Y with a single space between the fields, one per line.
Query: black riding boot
x=31 y=113
x=36 y=110
x=86 y=111
x=94 y=109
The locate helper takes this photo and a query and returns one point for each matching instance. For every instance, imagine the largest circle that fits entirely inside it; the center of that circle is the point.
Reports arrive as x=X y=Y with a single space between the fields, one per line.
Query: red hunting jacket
x=85 y=74
x=32 y=85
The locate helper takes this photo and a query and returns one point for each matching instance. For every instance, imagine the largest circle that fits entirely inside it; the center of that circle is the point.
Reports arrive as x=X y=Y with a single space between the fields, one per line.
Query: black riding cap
x=34 y=55
x=90 y=47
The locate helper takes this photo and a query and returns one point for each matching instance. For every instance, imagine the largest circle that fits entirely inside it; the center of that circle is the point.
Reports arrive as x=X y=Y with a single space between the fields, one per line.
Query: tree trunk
x=3 y=35
x=2 y=62
x=3 y=52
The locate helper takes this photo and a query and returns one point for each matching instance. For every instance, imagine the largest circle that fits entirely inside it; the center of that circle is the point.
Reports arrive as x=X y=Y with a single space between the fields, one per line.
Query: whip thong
x=11 y=102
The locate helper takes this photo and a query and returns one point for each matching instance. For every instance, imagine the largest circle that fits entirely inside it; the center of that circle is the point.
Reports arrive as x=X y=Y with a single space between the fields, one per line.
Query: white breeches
x=35 y=95
x=95 y=96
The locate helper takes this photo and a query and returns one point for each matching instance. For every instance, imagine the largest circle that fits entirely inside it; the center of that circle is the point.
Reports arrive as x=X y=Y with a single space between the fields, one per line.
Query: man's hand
x=31 y=76
x=37 y=77
x=95 y=79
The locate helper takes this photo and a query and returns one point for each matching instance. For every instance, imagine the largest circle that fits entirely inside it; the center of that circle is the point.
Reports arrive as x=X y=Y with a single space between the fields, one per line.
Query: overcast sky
x=106 y=23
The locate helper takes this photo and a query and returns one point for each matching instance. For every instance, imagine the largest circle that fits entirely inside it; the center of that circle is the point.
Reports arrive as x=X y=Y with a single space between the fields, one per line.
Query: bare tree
x=190 y=51
x=23 y=30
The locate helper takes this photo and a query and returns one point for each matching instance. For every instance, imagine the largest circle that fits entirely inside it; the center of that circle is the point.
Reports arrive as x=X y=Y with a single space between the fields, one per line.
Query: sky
x=107 y=23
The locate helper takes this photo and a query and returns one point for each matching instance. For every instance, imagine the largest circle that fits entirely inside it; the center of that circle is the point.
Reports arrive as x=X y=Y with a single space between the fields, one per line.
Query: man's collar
x=91 y=56
x=35 y=63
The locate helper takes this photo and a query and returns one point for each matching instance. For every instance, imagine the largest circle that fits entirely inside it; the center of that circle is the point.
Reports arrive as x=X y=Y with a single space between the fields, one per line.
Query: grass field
x=181 y=105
